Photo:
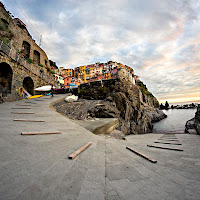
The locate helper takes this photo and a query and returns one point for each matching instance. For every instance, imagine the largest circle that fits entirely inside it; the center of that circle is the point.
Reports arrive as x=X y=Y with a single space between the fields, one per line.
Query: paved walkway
x=37 y=167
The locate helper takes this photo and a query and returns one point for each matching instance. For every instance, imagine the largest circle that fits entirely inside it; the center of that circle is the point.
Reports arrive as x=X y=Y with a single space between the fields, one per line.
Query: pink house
x=114 y=73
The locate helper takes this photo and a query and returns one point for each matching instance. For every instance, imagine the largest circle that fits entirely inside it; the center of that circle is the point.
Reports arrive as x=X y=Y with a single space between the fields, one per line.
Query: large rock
x=193 y=125
x=134 y=106
x=197 y=120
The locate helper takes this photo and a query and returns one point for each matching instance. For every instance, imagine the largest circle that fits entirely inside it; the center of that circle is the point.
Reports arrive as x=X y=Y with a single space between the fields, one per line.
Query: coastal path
x=38 y=167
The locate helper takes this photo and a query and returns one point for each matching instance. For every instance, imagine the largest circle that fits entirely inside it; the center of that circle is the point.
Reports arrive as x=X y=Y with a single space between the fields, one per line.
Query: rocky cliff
x=193 y=125
x=134 y=106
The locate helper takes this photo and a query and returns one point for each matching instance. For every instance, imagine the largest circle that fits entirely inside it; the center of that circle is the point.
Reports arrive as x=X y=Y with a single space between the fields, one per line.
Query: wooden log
x=76 y=153
x=21 y=108
x=40 y=133
x=22 y=112
x=168 y=143
x=143 y=156
x=168 y=140
x=31 y=102
x=21 y=105
x=168 y=136
x=164 y=148
x=28 y=120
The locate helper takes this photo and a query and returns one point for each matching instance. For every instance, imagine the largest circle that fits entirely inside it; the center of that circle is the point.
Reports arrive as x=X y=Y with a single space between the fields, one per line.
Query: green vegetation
x=48 y=70
x=29 y=60
x=3 y=26
x=6 y=41
x=52 y=72
x=40 y=65
x=144 y=89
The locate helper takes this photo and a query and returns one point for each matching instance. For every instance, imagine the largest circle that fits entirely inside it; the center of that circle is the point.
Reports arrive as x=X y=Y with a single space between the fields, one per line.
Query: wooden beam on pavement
x=28 y=120
x=22 y=112
x=20 y=108
x=164 y=148
x=21 y=105
x=38 y=100
x=141 y=155
x=76 y=153
x=169 y=140
x=31 y=102
x=40 y=133
x=168 y=143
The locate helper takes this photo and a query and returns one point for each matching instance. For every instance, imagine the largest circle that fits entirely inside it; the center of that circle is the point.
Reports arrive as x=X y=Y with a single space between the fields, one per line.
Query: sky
x=160 y=40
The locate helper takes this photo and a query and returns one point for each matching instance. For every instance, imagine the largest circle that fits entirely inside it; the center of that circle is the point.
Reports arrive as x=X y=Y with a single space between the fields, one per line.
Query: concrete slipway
x=37 y=166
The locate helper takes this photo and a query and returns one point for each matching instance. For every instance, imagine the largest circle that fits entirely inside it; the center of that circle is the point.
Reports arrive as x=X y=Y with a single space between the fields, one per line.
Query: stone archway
x=6 y=75
x=28 y=85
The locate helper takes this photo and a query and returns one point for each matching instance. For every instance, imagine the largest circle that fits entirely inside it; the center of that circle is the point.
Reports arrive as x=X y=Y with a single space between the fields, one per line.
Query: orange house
x=71 y=80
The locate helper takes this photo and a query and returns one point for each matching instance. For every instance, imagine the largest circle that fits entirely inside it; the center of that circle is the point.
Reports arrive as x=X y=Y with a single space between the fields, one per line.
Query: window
x=36 y=57
x=26 y=49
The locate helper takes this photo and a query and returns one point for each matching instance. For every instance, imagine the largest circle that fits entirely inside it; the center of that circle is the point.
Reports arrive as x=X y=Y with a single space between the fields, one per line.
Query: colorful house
x=59 y=80
x=69 y=81
x=82 y=73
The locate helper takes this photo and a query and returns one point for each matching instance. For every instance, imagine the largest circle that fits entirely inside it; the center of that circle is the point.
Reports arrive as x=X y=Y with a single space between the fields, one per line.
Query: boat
x=46 y=88
x=71 y=98
x=35 y=96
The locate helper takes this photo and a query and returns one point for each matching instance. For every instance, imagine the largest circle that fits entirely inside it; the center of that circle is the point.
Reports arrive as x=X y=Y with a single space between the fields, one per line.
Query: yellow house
x=87 y=72
x=68 y=72
x=82 y=73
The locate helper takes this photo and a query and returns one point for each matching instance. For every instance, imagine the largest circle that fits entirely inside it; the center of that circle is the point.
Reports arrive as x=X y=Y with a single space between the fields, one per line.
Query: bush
x=29 y=60
x=40 y=65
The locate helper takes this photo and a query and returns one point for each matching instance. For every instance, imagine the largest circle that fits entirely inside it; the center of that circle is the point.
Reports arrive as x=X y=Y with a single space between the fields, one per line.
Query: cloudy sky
x=159 y=39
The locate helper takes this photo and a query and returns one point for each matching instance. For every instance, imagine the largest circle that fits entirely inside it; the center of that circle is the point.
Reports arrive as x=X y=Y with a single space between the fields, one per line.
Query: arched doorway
x=6 y=74
x=28 y=85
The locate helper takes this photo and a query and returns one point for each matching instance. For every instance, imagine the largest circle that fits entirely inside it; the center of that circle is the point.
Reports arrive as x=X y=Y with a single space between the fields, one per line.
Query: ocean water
x=175 y=121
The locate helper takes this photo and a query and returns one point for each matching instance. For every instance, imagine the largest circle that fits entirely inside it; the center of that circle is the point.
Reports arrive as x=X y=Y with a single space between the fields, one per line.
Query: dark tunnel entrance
x=6 y=74
x=28 y=85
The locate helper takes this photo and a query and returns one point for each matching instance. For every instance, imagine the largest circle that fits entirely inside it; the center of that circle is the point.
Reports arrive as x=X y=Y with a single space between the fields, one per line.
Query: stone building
x=22 y=62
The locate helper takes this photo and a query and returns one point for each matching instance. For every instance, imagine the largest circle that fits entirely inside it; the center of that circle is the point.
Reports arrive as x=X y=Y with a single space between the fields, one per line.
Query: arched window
x=26 y=49
x=36 y=57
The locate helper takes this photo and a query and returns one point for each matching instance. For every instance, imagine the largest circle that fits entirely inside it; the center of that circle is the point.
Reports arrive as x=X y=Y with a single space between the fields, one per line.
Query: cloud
x=159 y=39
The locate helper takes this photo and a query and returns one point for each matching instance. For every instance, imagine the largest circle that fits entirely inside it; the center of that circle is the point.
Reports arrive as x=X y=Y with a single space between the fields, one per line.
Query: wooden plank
x=76 y=153
x=143 y=156
x=168 y=137
x=40 y=133
x=21 y=108
x=28 y=120
x=31 y=102
x=168 y=143
x=38 y=100
x=164 y=148
x=169 y=140
x=21 y=105
x=22 y=112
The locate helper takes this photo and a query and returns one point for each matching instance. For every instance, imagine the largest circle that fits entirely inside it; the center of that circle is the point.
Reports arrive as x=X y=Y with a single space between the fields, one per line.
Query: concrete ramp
x=99 y=125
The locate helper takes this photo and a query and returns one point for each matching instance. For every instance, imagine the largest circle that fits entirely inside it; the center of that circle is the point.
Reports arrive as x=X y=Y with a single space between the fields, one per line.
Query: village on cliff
x=24 y=64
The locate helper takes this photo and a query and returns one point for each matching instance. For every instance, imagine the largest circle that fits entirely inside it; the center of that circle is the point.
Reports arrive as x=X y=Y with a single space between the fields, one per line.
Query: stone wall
x=17 y=49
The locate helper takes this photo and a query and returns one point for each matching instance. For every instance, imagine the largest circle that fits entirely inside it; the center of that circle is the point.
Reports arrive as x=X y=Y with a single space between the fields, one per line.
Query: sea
x=176 y=119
